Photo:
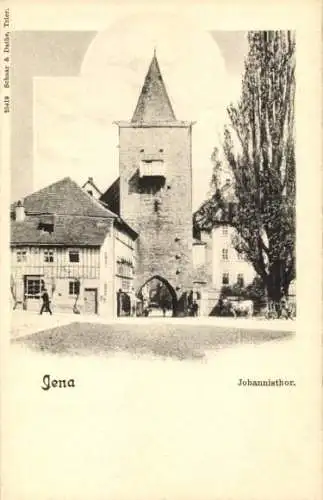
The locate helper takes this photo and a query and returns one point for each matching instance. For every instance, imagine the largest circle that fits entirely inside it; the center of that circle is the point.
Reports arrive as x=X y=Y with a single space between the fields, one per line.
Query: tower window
x=142 y=151
x=156 y=205
x=225 y=278
x=161 y=150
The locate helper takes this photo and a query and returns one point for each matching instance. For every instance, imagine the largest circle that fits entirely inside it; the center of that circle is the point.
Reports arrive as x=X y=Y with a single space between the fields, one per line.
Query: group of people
x=129 y=304
x=280 y=310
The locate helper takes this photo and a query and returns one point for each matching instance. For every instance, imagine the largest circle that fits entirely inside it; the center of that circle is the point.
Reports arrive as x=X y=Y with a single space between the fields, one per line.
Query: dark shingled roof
x=69 y=230
x=63 y=214
x=153 y=103
x=64 y=197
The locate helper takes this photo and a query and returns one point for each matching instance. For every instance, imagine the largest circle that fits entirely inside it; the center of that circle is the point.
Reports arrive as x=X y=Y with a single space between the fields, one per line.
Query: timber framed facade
x=65 y=241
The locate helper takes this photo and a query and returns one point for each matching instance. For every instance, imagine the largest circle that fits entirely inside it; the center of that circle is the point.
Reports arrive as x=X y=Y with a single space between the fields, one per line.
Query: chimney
x=90 y=179
x=20 y=212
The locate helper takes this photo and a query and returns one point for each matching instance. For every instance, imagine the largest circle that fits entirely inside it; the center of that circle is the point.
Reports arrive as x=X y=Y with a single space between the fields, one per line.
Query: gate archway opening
x=160 y=296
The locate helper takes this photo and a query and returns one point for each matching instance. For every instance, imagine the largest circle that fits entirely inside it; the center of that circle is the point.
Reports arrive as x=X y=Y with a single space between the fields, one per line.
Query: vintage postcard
x=161 y=251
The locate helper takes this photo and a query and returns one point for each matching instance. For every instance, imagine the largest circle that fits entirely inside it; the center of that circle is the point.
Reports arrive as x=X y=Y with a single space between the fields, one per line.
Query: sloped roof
x=153 y=104
x=111 y=197
x=64 y=197
x=69 y=230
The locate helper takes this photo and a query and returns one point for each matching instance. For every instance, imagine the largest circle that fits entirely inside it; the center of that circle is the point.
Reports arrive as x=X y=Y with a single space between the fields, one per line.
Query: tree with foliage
x=259 y=148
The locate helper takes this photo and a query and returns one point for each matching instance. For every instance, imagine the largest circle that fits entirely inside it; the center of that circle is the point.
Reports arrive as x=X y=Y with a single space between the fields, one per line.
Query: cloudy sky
x=74 y=132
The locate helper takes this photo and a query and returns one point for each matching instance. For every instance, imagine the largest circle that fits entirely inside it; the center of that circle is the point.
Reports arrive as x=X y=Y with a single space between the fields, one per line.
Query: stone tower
x=156 y=185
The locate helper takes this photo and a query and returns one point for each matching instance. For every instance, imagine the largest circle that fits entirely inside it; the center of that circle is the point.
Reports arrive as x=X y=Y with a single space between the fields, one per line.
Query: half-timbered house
x=66 y=241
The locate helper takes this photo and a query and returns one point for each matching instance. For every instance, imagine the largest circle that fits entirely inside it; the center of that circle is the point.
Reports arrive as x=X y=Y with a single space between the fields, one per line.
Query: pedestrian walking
x=46 y=303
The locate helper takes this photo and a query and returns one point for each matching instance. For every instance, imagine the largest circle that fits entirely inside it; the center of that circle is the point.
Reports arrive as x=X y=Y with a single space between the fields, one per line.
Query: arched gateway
x=160 y=294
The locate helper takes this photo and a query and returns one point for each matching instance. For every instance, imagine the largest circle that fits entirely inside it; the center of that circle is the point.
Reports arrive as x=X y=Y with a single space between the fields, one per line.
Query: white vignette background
x=305 y=18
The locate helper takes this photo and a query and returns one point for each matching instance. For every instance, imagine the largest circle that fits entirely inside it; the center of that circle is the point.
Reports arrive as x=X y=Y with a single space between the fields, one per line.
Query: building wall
x=233 y=265
x=125 y=261
x=199 y=254
x=206 y=237
x=165 y=241
x=107 y=271
x=56 y=275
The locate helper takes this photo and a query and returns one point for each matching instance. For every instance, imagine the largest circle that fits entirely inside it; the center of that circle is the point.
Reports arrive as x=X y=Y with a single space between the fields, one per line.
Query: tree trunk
x=274 y=283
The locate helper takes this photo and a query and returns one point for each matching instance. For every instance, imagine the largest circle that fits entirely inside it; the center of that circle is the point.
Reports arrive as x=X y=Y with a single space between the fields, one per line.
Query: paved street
x=24 y=323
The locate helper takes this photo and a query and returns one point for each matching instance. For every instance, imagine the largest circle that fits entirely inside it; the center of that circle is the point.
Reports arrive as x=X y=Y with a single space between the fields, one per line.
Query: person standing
x=119 y=302
x=196 y=300
x=133 y=302
x=46 y=303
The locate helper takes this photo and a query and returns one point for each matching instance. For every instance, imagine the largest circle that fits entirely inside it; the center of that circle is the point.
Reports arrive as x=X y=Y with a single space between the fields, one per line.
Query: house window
x=21 y=255
x=105 y=289
x=74 y=256
x=225 y=230
x=240 y=256
x=105 y=258
x=225 y=278
x=49 y=256
x=74 y=287
x=225 y=254
x=124 y=268
x=240 y=280
x=33 y=287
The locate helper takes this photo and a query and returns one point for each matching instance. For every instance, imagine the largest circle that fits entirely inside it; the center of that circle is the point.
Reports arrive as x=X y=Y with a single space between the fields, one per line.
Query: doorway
x=90 y=300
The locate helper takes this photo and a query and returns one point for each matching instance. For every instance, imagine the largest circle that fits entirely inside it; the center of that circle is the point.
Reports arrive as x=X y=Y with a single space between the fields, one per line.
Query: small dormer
x=91 y=188
x=46 y=223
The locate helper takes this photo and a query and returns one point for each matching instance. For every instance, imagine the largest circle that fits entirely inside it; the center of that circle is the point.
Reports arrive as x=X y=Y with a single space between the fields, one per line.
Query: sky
x=74 y=133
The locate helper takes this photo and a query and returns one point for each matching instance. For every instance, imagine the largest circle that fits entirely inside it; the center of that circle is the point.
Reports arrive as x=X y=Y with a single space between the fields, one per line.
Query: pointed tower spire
x=153 y=103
